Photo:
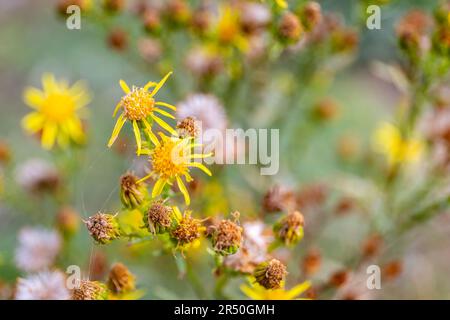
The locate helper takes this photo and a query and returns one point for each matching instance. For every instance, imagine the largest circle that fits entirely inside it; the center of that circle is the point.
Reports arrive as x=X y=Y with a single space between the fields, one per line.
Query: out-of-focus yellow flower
x=282 y=3
x=388 y=140
x=257 y=292
x=139 y=107
x=228 y=31
x=171 y=159
x=56 y=114
x=133 y=295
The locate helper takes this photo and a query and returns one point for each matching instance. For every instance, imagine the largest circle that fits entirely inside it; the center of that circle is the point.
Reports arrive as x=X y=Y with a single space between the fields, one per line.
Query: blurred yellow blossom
x=56 y=115
x=388 y=141
x=257 y=292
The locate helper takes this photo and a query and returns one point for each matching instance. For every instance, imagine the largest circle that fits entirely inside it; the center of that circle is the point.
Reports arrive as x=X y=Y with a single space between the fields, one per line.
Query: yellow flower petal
x=33 y=122
x=158 y=187
x=160 y=84
x=119 y=124
x=124 y=86
x=164 y=124
x=49 y=135
x=137 y=134
x=183 y=190
x=201 y=167
x=160 y=103
x=33 y=97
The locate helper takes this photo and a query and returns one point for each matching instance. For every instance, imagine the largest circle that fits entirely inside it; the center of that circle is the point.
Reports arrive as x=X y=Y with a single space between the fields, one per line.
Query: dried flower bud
x=412 y=32
x=278 y=198
x=392 y=270
x=187 y=230
x=188 y=127
x=120 y=279
x=311 y=195
x=158 y=218
x=149 y=49
x=68 y=221
x=113 y=6
x=90 y=290
x=289 y=229
x=178 y=11
x=62 y=5
x=290 y=27
x=254 y=17
x=103 y=227
x=311 y=262
x=201 y=20
x=348 y=146
x=5 y=152
x=270 y=274
x=326 y=109
x=132 y=192
x=311 y=15
x=339 y=278
x=118 y=39
x=227 y=237
x=98 y=265
x=372 y=245
x=344 y=40
x=152 y=20
x=345 y=205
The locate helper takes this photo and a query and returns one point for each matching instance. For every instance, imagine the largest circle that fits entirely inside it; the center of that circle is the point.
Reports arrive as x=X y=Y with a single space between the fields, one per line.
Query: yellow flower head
x=140 y=108
x=56 y=114
x=171 y=159
x=388 y=140
x=257 y=292
x=228 y=31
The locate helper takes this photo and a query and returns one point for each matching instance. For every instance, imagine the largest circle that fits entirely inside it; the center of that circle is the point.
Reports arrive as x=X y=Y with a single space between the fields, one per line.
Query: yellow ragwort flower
x=171 y=159
x=388 y=140
x=282 y=3
x=139 y=107
x=56 y=115
x=228 y=30
x=258 y=292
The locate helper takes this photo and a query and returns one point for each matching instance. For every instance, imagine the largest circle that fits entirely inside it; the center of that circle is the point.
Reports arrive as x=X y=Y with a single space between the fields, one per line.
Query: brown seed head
x=227 y=237
x=188 y=127
x=290 y=27
x=159 y=217
x=339 y=278
x=120 y=279
x=90 y=290
x=270 y=274
x=187 y=230
x=103 y=227
x=311 y=262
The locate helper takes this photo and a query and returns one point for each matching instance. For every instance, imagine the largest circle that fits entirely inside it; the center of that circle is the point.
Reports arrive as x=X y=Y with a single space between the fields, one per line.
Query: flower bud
x=290 y=27
x=68 y=221
x=187 y=230
x=158 y=218
x=270 y=274
x=90 y=290
x=103 y=227
x=120 y=279
x=118 y=39
x=227 y=237
x=278 y=198
x=113 y=6
x=5 y=152
x=289 y=229
x=311 y=15
x=132 y=193
x=312 y=262
x=339 y=278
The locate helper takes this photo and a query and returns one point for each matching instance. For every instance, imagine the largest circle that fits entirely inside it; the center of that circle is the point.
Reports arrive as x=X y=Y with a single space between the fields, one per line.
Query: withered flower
x=270 y=274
